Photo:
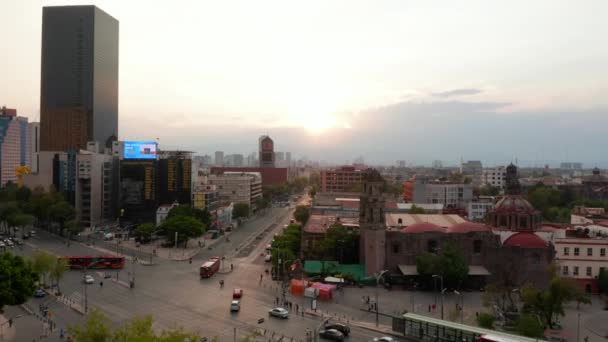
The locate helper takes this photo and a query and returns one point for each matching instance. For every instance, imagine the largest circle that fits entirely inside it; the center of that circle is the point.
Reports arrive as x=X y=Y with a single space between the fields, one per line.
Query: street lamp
x=441 y=284
x=378 y=277
x=461 y=306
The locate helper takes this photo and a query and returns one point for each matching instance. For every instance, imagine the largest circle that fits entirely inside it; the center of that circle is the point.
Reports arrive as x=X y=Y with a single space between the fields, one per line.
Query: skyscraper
x=219 y=158
x=266 y=151
x=79 y=78
x=14 y=145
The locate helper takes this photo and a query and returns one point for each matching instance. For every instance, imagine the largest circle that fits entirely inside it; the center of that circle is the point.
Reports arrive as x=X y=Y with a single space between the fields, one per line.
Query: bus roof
x=501 y=336
x=208 y=263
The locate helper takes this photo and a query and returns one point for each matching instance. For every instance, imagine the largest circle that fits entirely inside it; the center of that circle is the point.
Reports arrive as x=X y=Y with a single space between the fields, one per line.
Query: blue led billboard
x=139 y=150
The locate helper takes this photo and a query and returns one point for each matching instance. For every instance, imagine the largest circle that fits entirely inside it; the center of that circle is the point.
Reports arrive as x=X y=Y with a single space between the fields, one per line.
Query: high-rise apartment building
x=495 y=176
x=238 y=187
x=344 y=179
x=14 y=144
x=79 y=78
x=219 y=158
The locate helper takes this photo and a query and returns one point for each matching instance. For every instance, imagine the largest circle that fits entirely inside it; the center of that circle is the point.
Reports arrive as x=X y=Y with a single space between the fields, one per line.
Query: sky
x=333 y=80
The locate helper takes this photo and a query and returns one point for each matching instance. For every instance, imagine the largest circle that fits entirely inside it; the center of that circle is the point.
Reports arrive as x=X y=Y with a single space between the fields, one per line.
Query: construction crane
x=21 y=171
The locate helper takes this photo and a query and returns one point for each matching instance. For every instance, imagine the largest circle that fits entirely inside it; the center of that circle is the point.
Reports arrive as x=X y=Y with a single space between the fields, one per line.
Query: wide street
x=173 y=293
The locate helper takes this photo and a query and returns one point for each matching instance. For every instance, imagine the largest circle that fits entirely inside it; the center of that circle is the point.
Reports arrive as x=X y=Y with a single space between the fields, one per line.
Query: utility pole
x=441 y=289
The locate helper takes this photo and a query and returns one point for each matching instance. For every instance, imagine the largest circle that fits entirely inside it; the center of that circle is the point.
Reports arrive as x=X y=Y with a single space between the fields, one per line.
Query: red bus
x=210 y=267
x=107 y=262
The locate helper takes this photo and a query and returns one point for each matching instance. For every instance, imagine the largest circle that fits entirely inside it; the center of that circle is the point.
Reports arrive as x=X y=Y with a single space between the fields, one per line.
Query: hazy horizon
x=386 y=80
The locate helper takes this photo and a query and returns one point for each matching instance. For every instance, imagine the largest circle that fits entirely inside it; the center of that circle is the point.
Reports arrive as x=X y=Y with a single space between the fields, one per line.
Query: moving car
x=39 y=293
x=343 y=328
x=235 y=305
x=279 y=312
x=237 y=293
x=384 y=339
x=88 y=279
x=331 y=334
x=10 y=243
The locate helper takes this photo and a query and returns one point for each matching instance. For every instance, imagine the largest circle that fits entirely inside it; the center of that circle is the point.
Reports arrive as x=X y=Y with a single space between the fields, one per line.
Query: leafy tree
x=313 y=191
x=486 y=320
x=61 y=212
x=529 y=325
x=202 y=215
x=95 y=329
x=416 y=210
x=489 y=190
x=186 y=227
x=17 y=279
x=240 y=210
x=144 y=231
x=58 y=270
x=262 y=203
x=426 y=264
x=339 y=244
x=43 y=263
x=301 y=214
x=453 y=266
x=19 y=220
x=73 y=227
x=603 y=281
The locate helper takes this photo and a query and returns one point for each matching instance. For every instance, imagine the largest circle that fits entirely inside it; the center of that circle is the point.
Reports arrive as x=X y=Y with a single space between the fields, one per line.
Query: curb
x=364 y=325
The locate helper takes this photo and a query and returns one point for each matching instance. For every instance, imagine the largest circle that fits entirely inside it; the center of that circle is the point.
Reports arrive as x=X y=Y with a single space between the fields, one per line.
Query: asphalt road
x=173 y=293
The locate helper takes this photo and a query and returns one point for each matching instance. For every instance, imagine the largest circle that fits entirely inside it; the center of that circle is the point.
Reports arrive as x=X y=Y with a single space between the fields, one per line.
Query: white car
x=384 y=339
x=88 y=279
x=2 y=244
x=268 y=257
x=279 y=312
x=235 y=305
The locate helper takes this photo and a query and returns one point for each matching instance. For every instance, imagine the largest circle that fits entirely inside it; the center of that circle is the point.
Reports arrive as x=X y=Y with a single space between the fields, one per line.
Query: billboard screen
x=139 y=150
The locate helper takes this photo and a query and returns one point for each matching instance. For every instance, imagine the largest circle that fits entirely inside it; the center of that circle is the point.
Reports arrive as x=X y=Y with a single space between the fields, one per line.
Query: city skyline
x=334 y=81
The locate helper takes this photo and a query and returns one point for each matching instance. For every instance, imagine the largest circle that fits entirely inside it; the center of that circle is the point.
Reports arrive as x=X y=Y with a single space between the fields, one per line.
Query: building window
x=431 y=246
x=588 y=271
x=575 y=272
x=589 y=251
x=477 y=246
x=395 y=248
x=566 y=250
x=565 y=270
x=576 y=251
x=603 y=252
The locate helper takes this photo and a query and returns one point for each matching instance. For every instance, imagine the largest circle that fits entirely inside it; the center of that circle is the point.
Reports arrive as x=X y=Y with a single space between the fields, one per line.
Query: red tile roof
x=525 y=240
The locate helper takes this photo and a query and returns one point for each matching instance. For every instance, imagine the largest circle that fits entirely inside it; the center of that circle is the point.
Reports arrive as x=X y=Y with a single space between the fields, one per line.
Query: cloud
x=458 y=92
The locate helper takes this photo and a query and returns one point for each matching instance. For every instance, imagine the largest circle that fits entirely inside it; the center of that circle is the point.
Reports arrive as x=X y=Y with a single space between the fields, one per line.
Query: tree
x=489 y=190
x=43 y=264
x=58 y=270
x=426 y=265
x=95 y=329
x=486 y=320
x=17 y=280
x=416 y=210
x=61 y=211
x=240 y=210
x=603 y=281
x=144 y=231
x=73 y=227
x=529 y=325
x=339 y=244
x=19 y=220
x=301 y=214
x=186 y=227
x=313 y=191
x=262 y=203
x=453 y=266
x=202 y=215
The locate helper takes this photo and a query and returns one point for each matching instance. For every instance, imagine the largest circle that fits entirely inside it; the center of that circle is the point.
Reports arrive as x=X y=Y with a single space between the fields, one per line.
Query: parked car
x=19 y=242
x=235 y=305
x=10 y=243
x=343 y=328
x=39 y=293
x=237 y=293
x=268 y=257
x=331 y=334
x=2 y=245
x=279 y=312
x=88 y=279
x=384 y=339
x=32 y=233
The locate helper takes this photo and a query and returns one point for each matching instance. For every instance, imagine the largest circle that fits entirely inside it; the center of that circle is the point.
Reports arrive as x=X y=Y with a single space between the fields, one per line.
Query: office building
x=471 y=167
x=266 y=151
x=219 y=158
x=15 y=145
x=494 y=177
x=34 y=128
x=238 y=187
x=174 y=177
x=343 y=179
x=79 y=78
x=451 y=195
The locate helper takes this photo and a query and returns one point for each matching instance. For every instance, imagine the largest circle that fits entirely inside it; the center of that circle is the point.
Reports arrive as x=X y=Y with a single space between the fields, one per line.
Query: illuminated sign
x=139 y=150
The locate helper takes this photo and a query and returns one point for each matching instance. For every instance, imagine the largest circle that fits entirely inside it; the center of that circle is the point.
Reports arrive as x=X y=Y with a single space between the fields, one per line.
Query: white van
x=108 y=236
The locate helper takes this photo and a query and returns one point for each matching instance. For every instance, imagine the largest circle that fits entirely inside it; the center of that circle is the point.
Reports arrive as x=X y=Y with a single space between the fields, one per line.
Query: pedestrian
x=190 y=260
x=101 y=283
x=297 y=307
x=61 y=333
x=231 y=267
x=277 y=300
x=199 y=243
x=429 y=307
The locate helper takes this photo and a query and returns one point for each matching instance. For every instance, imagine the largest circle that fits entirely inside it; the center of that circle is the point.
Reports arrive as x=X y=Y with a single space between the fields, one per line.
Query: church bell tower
x=371 y=223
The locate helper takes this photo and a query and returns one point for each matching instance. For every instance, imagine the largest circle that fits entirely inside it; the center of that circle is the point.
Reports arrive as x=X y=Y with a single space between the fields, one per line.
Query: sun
x=318 y=123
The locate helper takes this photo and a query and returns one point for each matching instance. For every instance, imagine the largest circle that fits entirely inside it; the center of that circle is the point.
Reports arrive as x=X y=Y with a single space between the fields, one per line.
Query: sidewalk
x=381 y=328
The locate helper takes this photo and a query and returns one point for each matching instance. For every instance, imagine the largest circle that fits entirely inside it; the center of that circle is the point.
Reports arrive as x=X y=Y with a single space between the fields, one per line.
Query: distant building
x=571 y=166
x=174 y=177
x=471 y=167
x=79 y=78
x=163 y=211
x=270 y=175
x=266 y=151
x=238 y=187
x=451 y=195
x=343 y=179
x=288 y=158
x=478 y=208
x=596 y=186
x=219 y=158
x=316 y=227
x=15 y=144
x=206 y=198
x=494 y=177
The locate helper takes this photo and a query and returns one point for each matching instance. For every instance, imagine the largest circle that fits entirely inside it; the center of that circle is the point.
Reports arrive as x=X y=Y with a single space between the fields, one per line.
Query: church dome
x=514 y=204
x=525 y=240
x=467 y=227
x=423 y=227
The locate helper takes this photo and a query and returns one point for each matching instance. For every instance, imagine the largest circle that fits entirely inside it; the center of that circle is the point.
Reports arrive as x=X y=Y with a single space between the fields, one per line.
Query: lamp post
x=461 y=306
x=441 y=284
x=378 y=277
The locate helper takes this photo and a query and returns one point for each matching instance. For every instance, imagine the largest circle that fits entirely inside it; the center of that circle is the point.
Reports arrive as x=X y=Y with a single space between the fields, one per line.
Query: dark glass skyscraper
x=79 y=78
